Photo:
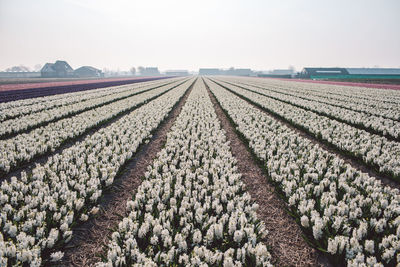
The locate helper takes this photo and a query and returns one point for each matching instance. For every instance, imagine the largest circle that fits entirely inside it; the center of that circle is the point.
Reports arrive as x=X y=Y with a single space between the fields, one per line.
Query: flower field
x=330 y=155
x=32 y=88
x=24 y=147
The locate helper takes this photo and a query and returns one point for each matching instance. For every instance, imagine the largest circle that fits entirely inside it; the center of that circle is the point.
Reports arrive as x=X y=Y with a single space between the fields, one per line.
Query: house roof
x=62 y=66
x=48 y=67
x=58 y=66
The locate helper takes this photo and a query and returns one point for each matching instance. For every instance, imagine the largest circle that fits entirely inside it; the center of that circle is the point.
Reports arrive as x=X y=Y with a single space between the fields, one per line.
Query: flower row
x=367 y=106
x=38 y=210
x=191 y=209
x=348 y=214
x=374 y=150
x=25 y=147
x=10 y=110
x=376 y=124
x=381 y=98
x=33 y=120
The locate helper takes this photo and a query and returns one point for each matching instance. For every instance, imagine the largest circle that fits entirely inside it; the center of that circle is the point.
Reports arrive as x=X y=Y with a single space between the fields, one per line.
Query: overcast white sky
x=185 y=34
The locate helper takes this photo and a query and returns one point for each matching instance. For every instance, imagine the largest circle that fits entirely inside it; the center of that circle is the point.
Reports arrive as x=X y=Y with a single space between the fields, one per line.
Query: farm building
x=88 y=71
x=150 y=71
x=207 y=71
x=231 y=71
x=374 y=73
x=59 y=69
x=278 y=73
x=177 y=73
x=350 y=73
x=238 y=72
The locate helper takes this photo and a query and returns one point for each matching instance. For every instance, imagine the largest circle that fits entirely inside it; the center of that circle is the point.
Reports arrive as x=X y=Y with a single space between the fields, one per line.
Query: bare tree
x=19 y=68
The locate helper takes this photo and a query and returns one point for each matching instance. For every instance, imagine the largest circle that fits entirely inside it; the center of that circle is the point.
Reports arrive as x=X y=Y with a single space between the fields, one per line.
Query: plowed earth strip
x=90 y=238
x=284 y=239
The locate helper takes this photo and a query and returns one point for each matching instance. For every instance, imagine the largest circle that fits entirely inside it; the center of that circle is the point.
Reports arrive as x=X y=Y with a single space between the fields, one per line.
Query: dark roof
x=62 y=66
x=48 y=67
x=58 y=66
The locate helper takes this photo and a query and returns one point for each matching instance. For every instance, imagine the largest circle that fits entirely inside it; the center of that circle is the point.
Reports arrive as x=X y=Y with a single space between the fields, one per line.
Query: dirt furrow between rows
x=352 y=160
x=320 y=113
x=45 y=123
x=285 y=241
x=89 y=239
x=41 y=159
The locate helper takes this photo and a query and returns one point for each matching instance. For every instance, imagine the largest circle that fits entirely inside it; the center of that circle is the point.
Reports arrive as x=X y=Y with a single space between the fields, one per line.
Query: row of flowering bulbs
x=192 y=208
x=367 y=106
x=25 y=147
x=376 y=124
x=348 y=214
x=38 y=209
x=374 y=150
x=386 y=99
x=384 y=107
x=33 y=120
x=14 y=109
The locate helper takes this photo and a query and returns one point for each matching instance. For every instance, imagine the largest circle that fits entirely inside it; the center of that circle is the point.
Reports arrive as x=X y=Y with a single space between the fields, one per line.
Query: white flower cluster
x=374 y=150
x=10 y=110
x=348 y=213
x=376 y=123
x=373 y=103
x=37 y=210
x=191 y=209
x=24 y=147
x=36 y=119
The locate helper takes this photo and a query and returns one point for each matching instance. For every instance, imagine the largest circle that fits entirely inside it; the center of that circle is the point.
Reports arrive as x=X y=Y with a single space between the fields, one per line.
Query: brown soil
x=90 y=239
x=284 y=239
x=353 y=161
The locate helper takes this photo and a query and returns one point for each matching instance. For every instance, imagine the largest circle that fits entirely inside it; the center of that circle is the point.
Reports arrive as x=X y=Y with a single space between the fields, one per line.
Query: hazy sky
x=257 y=34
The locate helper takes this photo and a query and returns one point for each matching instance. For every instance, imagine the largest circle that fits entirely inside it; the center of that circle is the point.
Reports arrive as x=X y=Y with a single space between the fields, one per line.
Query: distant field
x=41 y=80
x=27 y=89
x=18 y=84
x=370 y=84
